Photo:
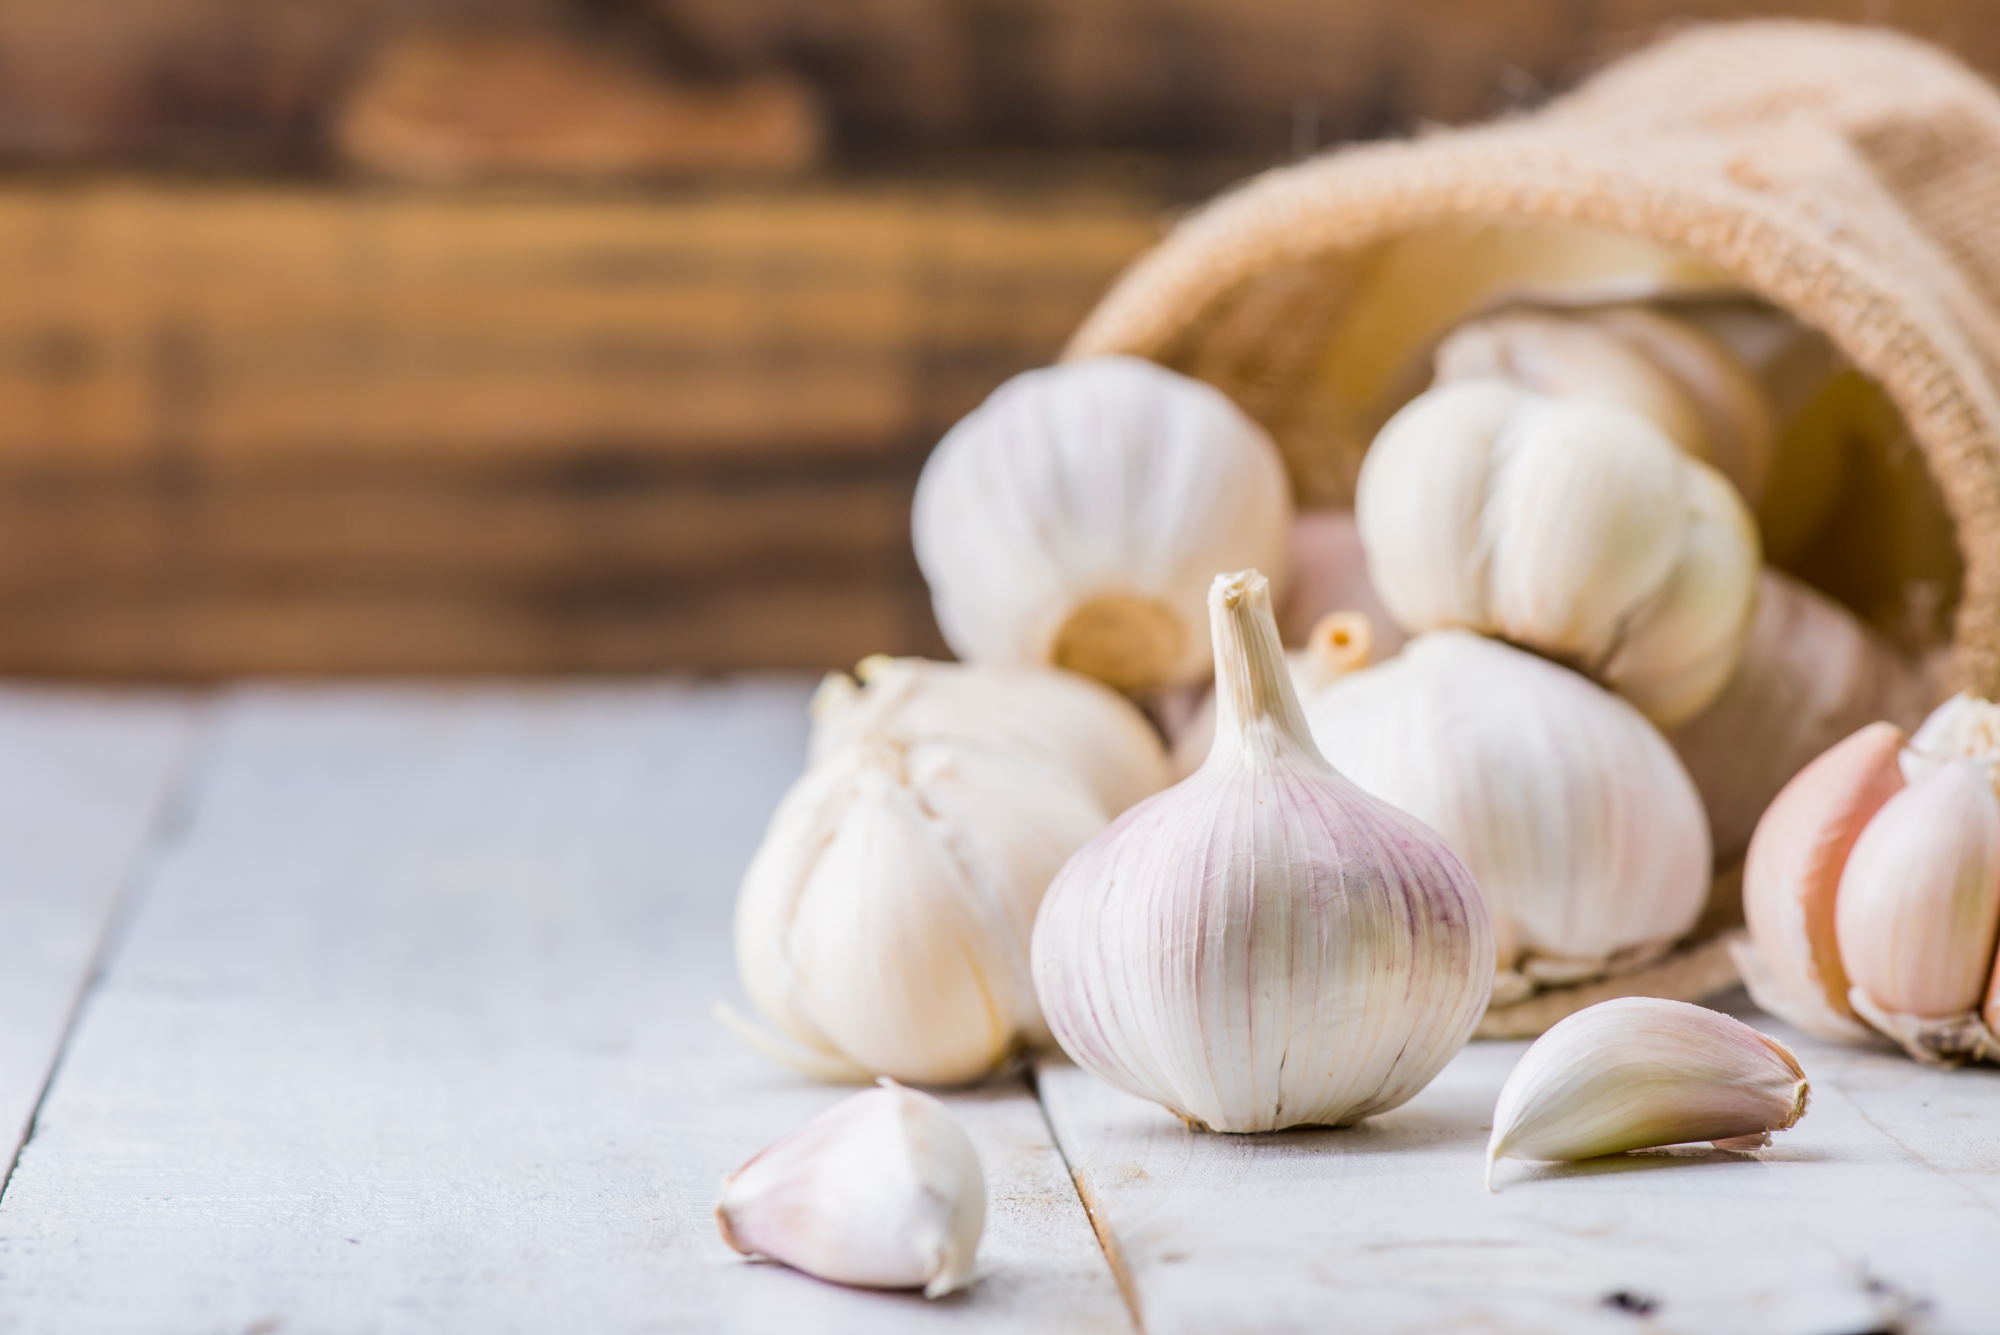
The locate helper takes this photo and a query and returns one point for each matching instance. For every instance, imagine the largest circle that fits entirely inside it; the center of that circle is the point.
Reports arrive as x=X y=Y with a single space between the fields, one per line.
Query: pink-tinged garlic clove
x=1792 y=879
x=1918 y=909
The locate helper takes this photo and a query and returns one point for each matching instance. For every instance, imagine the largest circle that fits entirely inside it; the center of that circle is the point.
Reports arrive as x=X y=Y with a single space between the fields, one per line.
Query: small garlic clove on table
x=1792 y=877
x=882 y=1190
x=1641 y=1072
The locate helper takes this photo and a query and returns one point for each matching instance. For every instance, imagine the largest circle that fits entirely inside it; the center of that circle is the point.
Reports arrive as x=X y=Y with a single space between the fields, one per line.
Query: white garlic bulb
x=885 y=921
x=1044 y=714
x=1077 y=515
x=1575 y=529
x=1263 y=945
x=1665 y=369
x=883 y=1190
x=1641 y=1072
x=1573 y=813
x=1872 y=889
x=1811 y=673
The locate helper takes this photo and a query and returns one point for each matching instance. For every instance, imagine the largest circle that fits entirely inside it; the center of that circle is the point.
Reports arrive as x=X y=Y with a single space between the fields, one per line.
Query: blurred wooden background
x=264 y=409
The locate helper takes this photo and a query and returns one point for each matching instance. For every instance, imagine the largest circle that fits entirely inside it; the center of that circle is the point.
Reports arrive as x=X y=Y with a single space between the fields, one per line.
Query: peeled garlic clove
x=1263 y=945
x=1327 y=571
x=886 y=918
x=1076 y=517
x=1572 y=812
x=1641 y=1072
x=1572 y=528
x=1918 y=911
x=1811 y=674
x=882 y=1190
x=1792 y=879
x=1041 y=714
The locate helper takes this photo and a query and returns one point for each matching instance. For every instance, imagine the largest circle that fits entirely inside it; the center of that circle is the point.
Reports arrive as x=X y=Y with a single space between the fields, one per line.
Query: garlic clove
x=886 y=918
x=882 y=1190
x=1263 y=945
x=1964 y=727
x=1077 y=515
x=1679 y=651
x=1918 y=911
x=1792 y=879
x=1641 y=1072
x=1041 y=714
x=1575 y=816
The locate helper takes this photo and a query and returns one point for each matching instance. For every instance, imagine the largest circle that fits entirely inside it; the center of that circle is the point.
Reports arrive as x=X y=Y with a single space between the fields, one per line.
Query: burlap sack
x=1849 y=176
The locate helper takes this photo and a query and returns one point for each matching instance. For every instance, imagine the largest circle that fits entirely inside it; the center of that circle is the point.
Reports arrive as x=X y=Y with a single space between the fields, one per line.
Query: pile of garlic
x=1872 y=889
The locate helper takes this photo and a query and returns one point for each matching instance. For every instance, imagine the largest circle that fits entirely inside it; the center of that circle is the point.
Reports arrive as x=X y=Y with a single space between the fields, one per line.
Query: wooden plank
x=1879 y=1211
x=412 y=1031
x=84 y=779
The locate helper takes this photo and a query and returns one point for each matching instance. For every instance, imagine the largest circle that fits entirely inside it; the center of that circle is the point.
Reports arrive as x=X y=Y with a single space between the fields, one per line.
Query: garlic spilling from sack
x=1043 y=714
x=1077 y=515
x=1573 y=813
x=1634 y=357
x=1641 y=1072
x=882 y=1190
x=1263 y=945
x=1575 y=529
x=1811 y=673
x=1872 y=889
x=1341 y=642
x=885 y=921
x=1328 y=572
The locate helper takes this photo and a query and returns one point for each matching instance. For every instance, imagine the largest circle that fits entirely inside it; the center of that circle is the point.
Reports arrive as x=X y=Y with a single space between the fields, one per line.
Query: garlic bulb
x=1641 y=1072
x=1872 y=889
x=1634 y=357
x=1811 y=673
x=1263 y=945
x=1573 y=528
x=1328 y=572
x=885 y=920
x=1078 y=514
x=1044 y=714
x=1573 y=813
x=882 y=1190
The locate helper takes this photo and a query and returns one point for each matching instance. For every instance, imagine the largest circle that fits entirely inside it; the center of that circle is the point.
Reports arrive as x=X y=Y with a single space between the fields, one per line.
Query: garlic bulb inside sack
x=1572 y=528
x=1043 y=714
x=1575 y=816
x=884 y=923
x=1634 y=357
x=1263 y=945
x=1077 y=516
x=1872 y=889
x=1811 y=673
x=882 y=1190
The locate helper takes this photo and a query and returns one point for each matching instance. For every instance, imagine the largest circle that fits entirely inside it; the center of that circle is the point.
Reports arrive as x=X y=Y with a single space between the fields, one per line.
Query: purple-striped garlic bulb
x=1263 y=945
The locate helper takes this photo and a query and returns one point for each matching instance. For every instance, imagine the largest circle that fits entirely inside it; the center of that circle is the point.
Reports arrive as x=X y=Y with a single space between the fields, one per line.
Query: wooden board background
x=322 y=429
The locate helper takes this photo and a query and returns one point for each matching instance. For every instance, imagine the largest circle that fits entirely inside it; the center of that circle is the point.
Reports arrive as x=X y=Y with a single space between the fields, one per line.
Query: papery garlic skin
x=1572 y=812
x=1042 y=714
x=1572 y=528
x=1791 y=881
x=1919 y=908
x=1263 y=945
x=886 y=918
x=1077 y=516
x=882 y=1190
x=1964 y=727
x=1339 y=643
x=1641 y=1072
x=1810 y=675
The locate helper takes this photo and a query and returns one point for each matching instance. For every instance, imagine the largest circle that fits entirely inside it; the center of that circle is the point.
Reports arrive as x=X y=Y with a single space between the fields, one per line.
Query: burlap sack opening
x=1848 y=176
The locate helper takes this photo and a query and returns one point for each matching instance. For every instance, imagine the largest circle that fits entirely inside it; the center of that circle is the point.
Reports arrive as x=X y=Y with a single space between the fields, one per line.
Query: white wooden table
x=388 y=1010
